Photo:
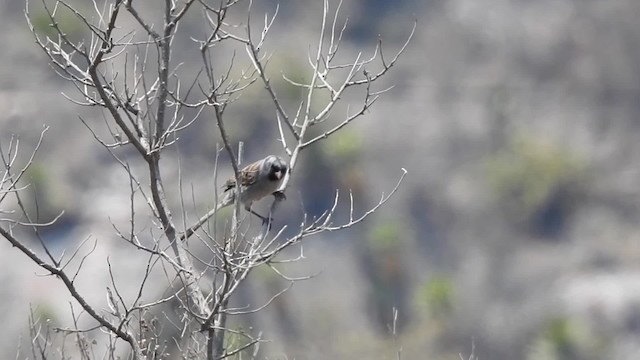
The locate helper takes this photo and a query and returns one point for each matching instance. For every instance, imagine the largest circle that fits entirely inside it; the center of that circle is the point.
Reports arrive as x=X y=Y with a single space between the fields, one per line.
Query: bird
x=257 y=180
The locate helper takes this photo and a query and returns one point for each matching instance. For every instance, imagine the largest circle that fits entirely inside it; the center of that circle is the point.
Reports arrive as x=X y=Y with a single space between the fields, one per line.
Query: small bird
x=257 y=180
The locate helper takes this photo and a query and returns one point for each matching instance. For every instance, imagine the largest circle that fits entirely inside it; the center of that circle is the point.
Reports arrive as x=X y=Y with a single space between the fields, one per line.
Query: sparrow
x=257 y=180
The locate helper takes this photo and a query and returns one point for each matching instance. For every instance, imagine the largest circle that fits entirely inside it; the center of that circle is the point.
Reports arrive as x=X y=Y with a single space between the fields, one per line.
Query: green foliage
x=528 y=174
x=437 y=294
x=560 y=332
x=265 y=274
x=45 y=314
x=224 y=213
x=344 y=146
x=386 y=237
x=295 y=71
x=565 y=339
x=37 y=175
x=387 y=275
x=298 y=72
x=68 y=23
x=46 y=202
x=342 y=150
x=236 y=340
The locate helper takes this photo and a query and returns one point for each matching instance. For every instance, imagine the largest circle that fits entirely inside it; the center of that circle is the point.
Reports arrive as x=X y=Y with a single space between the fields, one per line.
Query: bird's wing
x=248 y=176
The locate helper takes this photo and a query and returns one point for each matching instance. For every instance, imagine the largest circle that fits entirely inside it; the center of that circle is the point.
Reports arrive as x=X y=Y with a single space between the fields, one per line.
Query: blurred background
x=515 y=233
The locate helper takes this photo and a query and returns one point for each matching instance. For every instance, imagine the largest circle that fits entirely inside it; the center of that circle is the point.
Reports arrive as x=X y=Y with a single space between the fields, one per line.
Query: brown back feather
x=248 y=176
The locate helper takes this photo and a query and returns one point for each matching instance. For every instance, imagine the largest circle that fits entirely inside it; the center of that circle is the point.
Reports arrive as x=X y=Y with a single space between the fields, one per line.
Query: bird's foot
x=279 y=195
x=266 y=221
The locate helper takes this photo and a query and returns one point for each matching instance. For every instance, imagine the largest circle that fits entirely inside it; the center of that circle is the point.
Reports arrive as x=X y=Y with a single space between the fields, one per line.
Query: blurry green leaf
x=527 y=174
x=46 y=202
x=235 y=340
x=565 y=339
x=386 y=236
x=438 y=295
x=68 y=23
x=343 y=146
x=44 y=313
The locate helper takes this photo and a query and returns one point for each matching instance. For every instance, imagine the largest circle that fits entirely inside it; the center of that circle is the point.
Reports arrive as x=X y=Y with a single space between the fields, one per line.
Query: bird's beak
x=279 y=174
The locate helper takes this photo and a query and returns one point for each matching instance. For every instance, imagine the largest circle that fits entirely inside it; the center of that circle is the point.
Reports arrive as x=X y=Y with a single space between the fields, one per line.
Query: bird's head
x=277 y=167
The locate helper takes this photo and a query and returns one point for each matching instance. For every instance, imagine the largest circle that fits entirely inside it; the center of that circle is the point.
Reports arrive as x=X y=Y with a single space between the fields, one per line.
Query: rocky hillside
x=515 y=231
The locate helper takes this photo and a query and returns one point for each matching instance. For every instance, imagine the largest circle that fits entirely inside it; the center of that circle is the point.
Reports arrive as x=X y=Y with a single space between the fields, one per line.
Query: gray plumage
x=257 y=180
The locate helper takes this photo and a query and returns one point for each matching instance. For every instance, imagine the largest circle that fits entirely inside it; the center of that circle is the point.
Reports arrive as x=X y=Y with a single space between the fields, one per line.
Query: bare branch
x=126 y=336
x=131 y=75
